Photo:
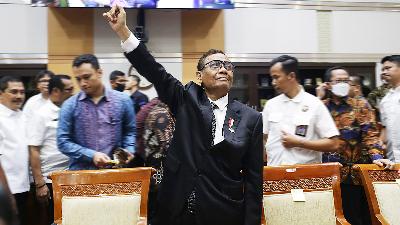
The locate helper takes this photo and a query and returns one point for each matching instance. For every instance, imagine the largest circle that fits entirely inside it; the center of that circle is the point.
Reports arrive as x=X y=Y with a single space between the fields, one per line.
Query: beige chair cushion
x=101 y=210
x=318 y=209
x=388 y=195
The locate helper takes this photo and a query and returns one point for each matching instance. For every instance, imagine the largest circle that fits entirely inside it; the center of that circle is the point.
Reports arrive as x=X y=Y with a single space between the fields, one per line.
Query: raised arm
x=169 y=89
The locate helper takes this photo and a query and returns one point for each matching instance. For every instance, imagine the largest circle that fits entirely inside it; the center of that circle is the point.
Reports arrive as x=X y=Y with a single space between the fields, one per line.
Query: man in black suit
x=213 y=168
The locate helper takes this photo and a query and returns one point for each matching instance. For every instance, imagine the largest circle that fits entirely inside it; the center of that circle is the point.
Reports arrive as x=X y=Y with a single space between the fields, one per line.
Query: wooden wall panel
x=201 y=30
x=70 y=33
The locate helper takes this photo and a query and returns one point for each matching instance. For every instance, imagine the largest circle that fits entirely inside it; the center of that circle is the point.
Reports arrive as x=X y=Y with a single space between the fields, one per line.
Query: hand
x=100 y=159
x=130 y=157
x=321 y=90
x=290 y=141
x=43 y=194
x=116 y=18
x=384 y=162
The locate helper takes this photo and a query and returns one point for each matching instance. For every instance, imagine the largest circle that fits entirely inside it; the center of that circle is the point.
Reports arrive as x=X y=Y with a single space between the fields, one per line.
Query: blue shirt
x=86 y=128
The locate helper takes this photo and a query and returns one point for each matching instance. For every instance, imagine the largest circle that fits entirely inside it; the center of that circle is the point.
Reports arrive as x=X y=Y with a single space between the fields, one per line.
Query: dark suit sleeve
x=169 y=89
x=252 y=171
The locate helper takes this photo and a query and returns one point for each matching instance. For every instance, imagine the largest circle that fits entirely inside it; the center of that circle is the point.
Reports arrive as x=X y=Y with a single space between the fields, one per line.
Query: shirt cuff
x=130 y=44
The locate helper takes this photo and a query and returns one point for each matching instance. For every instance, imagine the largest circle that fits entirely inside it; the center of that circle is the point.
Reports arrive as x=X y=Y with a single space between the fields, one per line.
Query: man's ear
x=291 y=75
x=199 y=76
x=100 y=73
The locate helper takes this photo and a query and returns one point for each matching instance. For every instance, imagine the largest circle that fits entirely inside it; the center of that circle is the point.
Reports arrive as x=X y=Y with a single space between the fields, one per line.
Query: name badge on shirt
x=301 y=130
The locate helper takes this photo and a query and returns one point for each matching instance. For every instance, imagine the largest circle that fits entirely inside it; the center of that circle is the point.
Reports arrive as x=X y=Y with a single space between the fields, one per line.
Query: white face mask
x=341 y=89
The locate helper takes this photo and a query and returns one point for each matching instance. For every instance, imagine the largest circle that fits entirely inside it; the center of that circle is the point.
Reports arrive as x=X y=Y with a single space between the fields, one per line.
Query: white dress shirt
x=33 y=104
x=130 y=44
x=304 y=116
x=390 y=116
x=43 y=133
x=14 y=149
x=220 y=114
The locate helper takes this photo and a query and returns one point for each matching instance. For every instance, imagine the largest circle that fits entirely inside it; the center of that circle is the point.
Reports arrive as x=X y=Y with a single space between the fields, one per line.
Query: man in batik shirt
x=155 y=127
x=96 y=121
x=360 y=142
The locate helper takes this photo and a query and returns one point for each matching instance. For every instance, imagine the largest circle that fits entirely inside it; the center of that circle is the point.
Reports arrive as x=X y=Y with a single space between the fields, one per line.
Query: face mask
x=341 y=89
x=120 y=87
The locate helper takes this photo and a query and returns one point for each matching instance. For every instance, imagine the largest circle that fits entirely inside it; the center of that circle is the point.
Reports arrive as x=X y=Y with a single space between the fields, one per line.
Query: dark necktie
x=213 y=122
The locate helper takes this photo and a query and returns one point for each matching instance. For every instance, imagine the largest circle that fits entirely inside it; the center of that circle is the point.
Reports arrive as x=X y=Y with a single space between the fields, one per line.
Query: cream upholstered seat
x=318 y=186
x=109 y=197
x=383 y=192
x=101 y=210
x=320 y=203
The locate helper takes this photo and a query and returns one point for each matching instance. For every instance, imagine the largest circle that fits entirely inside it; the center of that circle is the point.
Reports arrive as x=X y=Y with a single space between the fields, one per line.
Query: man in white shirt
x=44 y=154
x=37 y=101
x=390 y=107
x=13 y=146
x=297 y=126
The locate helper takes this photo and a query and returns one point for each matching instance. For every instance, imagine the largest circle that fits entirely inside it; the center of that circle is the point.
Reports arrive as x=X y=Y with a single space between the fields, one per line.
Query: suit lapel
x=232 y=120
x=206 y=111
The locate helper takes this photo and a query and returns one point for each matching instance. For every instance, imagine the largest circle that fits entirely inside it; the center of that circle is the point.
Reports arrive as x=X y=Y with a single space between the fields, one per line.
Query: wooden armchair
x=382 y=191
x=87 y=184
x=321 y=187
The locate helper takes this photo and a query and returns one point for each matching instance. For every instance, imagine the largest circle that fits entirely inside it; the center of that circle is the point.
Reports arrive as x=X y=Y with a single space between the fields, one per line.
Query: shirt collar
x=396 y=89
x=298 y=98
x=221 y=102
x=5 y=111
x=106 y=95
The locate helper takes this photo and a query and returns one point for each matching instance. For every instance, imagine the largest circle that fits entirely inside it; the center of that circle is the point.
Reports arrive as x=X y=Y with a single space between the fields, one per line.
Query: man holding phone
x=359 y=140
x=96 y=120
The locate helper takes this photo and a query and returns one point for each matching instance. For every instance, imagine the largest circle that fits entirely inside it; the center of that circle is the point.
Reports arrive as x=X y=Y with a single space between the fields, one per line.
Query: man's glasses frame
x=217 y=64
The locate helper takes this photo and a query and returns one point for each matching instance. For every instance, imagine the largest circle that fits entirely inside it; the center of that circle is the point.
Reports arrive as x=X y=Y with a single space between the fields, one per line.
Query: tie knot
x=213 y=106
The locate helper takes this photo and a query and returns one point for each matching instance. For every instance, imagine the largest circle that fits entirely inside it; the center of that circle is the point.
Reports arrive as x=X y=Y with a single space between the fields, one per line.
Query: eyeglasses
x=217 y=64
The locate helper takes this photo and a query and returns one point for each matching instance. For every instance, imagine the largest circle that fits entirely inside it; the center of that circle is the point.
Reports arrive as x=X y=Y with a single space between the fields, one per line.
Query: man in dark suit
x=213 y=168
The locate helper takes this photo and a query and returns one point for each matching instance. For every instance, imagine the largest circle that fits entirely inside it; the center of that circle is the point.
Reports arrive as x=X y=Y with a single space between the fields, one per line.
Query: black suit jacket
x=228 y=176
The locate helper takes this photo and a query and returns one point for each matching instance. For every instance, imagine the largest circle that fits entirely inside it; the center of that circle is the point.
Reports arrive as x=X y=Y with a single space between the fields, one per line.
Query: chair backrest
x=90 y=183
x=320 y=184
x=382 y=191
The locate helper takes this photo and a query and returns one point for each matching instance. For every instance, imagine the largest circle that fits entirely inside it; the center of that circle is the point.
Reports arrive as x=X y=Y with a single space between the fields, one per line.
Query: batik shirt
x=86 y=128
x=359 y=136
x=376 y=95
